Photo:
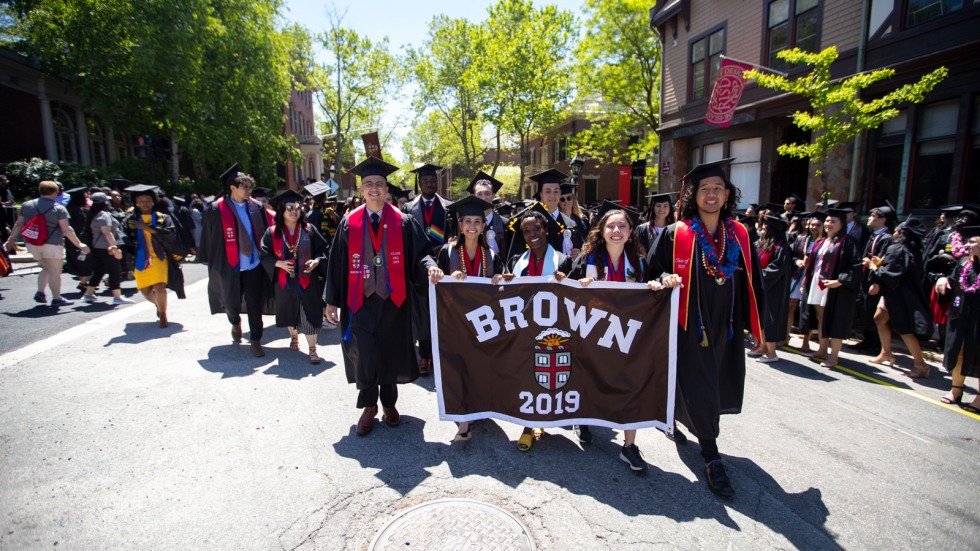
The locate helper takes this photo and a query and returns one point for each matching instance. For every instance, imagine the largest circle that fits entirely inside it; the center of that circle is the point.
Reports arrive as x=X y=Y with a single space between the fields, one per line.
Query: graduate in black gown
x=881 y=222
x=486 y=187
x=962 y=352
x=231 y=235
x=377 y=255
x=563 y=232
x=658 y=216
x=776 y=262
x=470 y=254
x=721 y=297
x=904 y=306
x=295 y=255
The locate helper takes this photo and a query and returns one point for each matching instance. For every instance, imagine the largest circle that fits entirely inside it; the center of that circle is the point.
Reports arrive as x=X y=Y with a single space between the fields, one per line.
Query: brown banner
x=372 y=145
x=545 y=354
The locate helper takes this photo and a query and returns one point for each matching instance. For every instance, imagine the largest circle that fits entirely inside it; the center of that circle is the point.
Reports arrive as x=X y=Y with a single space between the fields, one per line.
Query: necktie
x=375 y=222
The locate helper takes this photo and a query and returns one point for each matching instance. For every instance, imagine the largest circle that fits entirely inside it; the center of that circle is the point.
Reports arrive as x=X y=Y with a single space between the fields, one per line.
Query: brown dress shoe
x=256 y=347
x=425 y=366
x=391 y=417
x=366 y=422
x=236 y=333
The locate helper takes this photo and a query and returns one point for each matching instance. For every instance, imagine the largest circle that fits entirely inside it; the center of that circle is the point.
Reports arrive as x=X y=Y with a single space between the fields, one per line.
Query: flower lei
x=730 y=250
x=957 y=247
x=965 y=285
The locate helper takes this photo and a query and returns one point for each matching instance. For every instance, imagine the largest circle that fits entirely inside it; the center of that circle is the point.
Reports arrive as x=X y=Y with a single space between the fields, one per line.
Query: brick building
x=926 y=157
x=300 y=124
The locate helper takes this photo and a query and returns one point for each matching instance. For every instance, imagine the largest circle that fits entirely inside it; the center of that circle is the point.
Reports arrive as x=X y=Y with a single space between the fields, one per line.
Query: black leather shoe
x=583 y=434
x=718 y=479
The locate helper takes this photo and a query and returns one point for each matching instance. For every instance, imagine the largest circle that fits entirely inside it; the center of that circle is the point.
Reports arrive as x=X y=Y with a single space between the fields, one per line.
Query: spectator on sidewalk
x=51 y=254
x=106 y=254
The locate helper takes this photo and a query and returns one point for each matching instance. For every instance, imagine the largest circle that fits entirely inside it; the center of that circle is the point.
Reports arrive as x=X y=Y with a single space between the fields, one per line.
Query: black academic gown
x=963 y=325
x=377 y=344
x=877 y=245
x=224 y=281
x=838 y=314
x=498 y=225
x=776 y=276
x=440 y=219
x=165 y=239
x=900 y=278
x=448 y=260
x=710 y=380
x=647 y=234
x=292 y=297
x=75 y=265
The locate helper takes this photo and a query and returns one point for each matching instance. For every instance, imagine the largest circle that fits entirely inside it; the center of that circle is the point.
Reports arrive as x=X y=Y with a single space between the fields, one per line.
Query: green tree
x=524 y=69
x=838 y=112
x=444 y=68
x=619 y=62
x=353 y=87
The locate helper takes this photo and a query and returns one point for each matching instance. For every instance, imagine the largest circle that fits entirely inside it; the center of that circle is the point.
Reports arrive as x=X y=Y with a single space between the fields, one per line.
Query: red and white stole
x=230 y=226
x=302 y=255
x=390 y=229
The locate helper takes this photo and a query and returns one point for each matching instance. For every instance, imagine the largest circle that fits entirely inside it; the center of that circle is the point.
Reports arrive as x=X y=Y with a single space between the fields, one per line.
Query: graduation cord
x=731 y=313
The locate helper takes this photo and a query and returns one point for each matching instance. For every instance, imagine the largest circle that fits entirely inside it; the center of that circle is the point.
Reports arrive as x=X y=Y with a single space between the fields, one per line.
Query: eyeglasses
x=291 y=207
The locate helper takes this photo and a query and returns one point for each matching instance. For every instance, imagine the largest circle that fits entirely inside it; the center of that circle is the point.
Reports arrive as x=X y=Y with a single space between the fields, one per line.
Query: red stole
x=300 y=256
x=357 y=266
x=684 y=262
x=229 y=228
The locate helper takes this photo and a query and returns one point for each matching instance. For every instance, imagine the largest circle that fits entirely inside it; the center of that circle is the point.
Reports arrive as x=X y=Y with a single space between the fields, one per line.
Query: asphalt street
x=115 y=434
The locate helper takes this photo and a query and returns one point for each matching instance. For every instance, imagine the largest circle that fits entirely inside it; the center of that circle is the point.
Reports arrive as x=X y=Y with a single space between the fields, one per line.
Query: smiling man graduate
x=378 y=254
x=710 y=256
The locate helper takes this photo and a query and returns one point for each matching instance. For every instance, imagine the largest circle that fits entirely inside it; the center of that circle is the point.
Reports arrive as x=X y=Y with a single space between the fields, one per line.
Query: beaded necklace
x=965 y=284
x=957 y=247
x=473 y=269
x=718 y=263
x=291 y=247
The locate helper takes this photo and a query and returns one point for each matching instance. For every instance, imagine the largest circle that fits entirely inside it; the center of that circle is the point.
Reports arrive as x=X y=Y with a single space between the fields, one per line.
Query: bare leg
x=53 y=268
x=885 y=336
x=770 y=350
x=958 y=382
x=835 y=345
x=160 y=292
x=793 y=305
x=821 y=341
x=920 y=369
x=629 y=436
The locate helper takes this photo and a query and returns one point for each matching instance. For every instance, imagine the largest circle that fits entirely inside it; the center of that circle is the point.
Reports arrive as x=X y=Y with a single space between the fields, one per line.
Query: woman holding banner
x=612 y=253
x=469 y=254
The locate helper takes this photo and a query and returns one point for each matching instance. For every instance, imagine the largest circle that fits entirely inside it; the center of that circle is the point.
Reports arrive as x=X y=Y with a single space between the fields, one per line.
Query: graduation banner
x=372 y=145
x=540 y=353
x=726 y=93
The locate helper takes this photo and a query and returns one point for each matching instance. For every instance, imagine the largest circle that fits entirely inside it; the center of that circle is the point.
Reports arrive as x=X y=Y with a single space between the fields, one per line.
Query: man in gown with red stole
x=231 y=239
x=378 y=255
x=711 y=257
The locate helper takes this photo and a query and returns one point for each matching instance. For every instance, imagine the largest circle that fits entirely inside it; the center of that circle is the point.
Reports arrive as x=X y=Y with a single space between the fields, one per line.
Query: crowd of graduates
x=364 y=265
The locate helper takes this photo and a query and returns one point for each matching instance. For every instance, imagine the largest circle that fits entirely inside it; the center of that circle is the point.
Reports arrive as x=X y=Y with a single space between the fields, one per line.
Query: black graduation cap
x=179 y=200
x=406 y=193
x=849 y=206
x=819 y=215
x=797 y=199
x=567 y=188
x=773 y=207
x=951 y=209
x=394 y=190
x=483 y=176
x=777 y=221
x=839 y=213
x=284 y=197
x=888 y=211
x=141 y=189
x=428 y=169
x=76 y=189
x=373 y=166
x=661 y=198
x=550 y=176
x=261 y=192
x=969 y=231
x=228 y=176
x=504 y=209
x=608 y=205
x=969 y=210
x=914 y=226
x=746 y=219
x=471 y=205
x=317 y=188
x=754 y=206
x=707 y=170
x=118 y=183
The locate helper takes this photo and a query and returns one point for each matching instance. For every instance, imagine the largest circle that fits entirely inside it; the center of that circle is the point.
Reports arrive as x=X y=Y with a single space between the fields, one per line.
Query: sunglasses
x=565 y=199
x=291 y=208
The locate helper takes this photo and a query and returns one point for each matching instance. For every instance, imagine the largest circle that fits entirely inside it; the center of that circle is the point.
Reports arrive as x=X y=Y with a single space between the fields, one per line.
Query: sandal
x=971 y=408
x=918 y=372
x=463 y=436
x=951 y=399
x=883 y=360
x=314 y=359
x=294 y=342
x=525 y=442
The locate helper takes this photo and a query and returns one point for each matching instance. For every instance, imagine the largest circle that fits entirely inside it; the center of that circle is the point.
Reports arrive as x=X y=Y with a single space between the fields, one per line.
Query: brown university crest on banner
x=541 y=353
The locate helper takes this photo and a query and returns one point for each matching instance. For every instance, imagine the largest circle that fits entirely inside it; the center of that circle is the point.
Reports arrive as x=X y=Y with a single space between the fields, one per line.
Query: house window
x=713 y=152
x=591 y=192
x=705 y=63
x=971 y=185
x=64 y=135
x=747 y=167
x=97 y=143
x=918 y=12
x=934 y=150
x=561 y=149
x=792 y=23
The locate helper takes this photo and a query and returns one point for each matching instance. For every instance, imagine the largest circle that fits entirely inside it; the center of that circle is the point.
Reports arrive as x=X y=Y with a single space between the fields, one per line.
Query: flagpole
x=757 y=66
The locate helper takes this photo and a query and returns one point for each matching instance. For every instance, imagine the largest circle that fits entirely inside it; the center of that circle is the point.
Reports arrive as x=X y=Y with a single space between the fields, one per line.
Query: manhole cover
x=453 y=524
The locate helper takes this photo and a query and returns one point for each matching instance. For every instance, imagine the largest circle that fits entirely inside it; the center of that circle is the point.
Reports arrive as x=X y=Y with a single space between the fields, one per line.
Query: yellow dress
x=156 y=271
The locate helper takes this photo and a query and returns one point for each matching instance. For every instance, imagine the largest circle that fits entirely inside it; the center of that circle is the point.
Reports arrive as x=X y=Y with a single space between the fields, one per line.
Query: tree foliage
x=353 y=86
x=838 y=113
x=619 y=67
x=197 y=71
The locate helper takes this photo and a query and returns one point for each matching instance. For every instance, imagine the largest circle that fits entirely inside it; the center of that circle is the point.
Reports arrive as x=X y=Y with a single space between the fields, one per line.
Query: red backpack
x=35 y=231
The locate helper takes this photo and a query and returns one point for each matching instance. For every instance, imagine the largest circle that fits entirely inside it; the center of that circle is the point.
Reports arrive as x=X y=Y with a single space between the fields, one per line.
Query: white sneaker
x=89 y=299
x=122 y=300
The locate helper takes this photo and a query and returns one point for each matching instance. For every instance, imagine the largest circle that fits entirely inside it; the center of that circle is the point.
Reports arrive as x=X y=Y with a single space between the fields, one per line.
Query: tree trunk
x=174 y=159
x=496 y=160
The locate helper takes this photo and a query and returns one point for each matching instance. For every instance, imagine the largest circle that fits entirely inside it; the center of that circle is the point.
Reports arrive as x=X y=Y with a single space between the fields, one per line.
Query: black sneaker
x=631 y=454
x=583 y=434
x=61 y=302
x=39 y=297
x=678 y=437
x=718 y=479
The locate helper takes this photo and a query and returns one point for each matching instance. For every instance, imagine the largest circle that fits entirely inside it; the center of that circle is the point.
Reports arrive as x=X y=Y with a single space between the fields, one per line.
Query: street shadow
x=402 y=471
x=234 y=360
x=792 y=366
x=294 y=365
x=143 y=331
x=39 y=311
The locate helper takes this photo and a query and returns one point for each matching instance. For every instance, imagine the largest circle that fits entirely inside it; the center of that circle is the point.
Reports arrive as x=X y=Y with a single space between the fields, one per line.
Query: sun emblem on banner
x=552 y=358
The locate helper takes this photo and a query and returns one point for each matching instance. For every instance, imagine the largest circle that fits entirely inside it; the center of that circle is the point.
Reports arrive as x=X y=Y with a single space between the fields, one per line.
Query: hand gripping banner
x=540 y=353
